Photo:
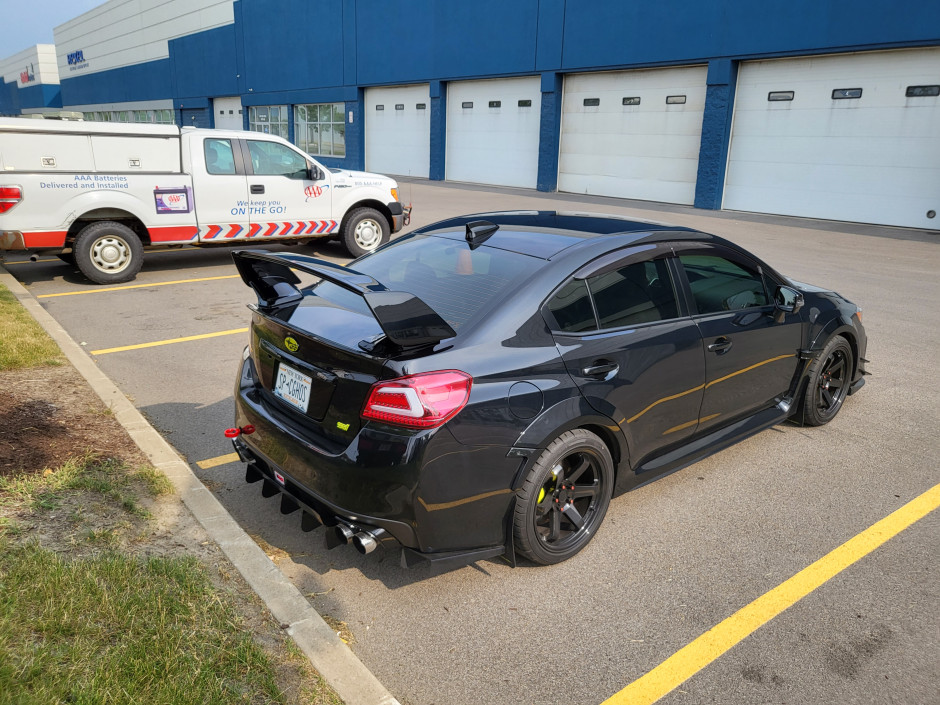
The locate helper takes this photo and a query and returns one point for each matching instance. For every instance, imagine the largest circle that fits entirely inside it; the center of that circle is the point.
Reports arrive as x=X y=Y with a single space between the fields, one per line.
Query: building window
x=675 y=100
x=846 y=93
x=160 y=117
x=922 y=91
x=269 y=119
x=631 y=100
x=778 y=96
x=591 y=102
x=321 y=129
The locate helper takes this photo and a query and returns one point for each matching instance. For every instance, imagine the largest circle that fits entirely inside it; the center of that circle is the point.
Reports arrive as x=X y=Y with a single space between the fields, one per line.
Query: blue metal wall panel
x=14 y=100
x=204 y=64
x=551 y=35
x=608 y=33
x=149 y=81
x=9 y=99
x=291 y=44
x=434 y=39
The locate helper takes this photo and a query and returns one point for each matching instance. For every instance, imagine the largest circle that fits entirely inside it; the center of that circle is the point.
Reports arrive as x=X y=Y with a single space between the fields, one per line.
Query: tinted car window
x=572 y=309
x=638 y=293
x=457 y=282
x=219 y=156
x=273 y=159
x=719 y=284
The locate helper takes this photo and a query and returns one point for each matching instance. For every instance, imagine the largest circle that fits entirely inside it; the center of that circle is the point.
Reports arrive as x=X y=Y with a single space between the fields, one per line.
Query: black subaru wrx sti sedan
x=485 y=385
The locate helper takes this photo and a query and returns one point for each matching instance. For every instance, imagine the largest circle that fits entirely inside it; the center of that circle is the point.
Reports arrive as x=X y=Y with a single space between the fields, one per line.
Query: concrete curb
x=339 y=666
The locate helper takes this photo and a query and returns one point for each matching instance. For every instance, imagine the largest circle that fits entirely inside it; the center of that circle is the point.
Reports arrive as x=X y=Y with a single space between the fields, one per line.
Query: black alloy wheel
x=564 y=498
x=829 y=382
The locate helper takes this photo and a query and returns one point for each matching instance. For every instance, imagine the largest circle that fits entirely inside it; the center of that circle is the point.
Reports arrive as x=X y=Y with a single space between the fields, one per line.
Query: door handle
x=257 y=188
x=720 y=346
x=600 y=368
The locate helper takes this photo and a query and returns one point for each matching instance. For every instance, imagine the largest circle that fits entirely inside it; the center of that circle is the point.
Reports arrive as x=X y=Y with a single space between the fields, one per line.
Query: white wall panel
x=875 y=159
x=126 y=32
x=647 y=151
x=398 y=141
x=494 y=145
x=40 y=58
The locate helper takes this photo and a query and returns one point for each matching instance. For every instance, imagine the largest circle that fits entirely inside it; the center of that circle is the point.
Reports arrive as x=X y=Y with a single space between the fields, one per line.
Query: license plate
x=293 y=387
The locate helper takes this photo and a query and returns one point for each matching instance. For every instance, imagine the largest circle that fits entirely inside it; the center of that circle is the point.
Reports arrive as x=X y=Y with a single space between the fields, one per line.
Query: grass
x=23 y=342
x=91 y=618
x=119 y=629
x=110 y=478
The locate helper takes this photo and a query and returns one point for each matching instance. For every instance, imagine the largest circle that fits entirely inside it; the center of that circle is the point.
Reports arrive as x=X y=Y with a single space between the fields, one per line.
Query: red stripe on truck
x=53 y=238
x=174 y=233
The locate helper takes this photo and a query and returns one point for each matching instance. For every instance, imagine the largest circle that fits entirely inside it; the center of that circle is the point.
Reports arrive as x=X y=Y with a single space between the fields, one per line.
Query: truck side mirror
x=313 y=172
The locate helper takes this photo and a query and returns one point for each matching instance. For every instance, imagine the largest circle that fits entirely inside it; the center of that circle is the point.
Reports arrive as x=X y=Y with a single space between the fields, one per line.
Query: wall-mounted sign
x=77 y=60
x=28 y=76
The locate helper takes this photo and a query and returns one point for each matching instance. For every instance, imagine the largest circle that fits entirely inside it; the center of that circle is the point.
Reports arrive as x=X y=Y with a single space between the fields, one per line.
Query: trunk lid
x=319 y=349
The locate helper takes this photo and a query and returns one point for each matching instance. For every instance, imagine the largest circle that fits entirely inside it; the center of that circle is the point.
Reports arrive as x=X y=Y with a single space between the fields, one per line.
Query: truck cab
x=97 y=193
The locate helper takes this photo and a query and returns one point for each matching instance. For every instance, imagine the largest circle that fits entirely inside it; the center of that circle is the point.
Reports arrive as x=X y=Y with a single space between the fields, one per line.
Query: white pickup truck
x=96 y=193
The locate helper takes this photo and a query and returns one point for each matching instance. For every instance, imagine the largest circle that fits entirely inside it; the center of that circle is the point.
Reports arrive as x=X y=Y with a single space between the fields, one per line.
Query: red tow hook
x=247 y=429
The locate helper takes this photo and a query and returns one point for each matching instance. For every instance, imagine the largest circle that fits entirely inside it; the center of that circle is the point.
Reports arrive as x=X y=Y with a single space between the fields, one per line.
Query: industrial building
x=816 y=109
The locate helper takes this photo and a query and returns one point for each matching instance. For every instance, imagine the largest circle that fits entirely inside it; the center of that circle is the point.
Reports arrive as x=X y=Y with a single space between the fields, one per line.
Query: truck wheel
x=108 y=253
x=365 y=230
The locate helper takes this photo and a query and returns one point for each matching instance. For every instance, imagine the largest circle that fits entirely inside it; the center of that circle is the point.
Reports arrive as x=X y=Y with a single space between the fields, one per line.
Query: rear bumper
x=16 y=240
x=427 y=491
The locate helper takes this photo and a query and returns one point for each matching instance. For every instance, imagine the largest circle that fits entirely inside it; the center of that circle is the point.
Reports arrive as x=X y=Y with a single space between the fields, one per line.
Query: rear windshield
x=460 y=284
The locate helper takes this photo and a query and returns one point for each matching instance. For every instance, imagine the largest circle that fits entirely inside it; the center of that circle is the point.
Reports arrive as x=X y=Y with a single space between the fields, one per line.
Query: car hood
x=810 y=288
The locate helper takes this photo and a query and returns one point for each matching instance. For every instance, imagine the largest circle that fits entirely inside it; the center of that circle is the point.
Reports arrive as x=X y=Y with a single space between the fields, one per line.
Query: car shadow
x=168 y=260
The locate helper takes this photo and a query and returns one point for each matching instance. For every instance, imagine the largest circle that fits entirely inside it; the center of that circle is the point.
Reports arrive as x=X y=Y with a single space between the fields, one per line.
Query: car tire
x=830 y=376
x=564 y=498
x=108 y=253
x=365 y=231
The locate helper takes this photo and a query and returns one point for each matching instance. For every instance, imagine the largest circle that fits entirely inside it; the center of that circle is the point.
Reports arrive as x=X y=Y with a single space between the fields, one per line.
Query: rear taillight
x=9 y=197
x=425 y=400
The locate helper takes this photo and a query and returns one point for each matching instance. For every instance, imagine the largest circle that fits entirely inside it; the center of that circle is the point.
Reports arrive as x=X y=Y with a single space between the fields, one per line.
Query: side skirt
x=700 y=448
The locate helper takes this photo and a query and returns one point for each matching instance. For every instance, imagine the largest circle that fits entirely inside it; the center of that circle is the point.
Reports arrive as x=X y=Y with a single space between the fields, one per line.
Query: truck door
x=221 y=190
x=283 y=202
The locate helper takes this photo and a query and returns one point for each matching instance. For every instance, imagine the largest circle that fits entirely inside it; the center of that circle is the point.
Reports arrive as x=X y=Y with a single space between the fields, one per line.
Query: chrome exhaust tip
x=367 y=541
x=344 y=533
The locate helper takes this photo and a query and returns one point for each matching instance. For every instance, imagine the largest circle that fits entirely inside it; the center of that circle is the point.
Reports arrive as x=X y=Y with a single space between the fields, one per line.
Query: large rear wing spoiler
x=406 y=320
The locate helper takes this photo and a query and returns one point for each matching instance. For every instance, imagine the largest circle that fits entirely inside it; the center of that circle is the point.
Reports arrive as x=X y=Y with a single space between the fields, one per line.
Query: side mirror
x=313 y=172
x=786 y=300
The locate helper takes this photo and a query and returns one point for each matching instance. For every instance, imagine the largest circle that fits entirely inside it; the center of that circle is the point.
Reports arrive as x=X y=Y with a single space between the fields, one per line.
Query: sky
x=31 y=22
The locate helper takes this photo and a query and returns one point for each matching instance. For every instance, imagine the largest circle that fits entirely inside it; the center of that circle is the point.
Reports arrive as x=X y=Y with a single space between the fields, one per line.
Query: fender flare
x=566 y=415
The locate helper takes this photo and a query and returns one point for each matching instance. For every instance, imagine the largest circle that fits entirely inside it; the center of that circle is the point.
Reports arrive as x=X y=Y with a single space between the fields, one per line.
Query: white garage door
x=633 y=134
x=850 y=137
x=228 y=113
x=493 y=131
x=398 y=130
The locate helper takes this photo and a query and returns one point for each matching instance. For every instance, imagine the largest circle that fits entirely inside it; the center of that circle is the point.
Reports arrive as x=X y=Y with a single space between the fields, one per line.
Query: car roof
x=545 y=234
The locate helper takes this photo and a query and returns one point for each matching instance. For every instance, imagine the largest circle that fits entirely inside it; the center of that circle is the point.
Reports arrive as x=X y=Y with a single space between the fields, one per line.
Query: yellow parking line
x=693 y=657
x=157 y=343
x=137 y=286
x=220 y=460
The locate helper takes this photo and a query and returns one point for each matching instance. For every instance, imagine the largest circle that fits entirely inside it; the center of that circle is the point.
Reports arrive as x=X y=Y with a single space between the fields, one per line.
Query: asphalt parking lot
x=672 y=561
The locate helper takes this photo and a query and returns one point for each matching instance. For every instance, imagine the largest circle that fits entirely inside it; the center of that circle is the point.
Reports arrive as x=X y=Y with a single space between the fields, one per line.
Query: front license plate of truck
x=293 y=387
